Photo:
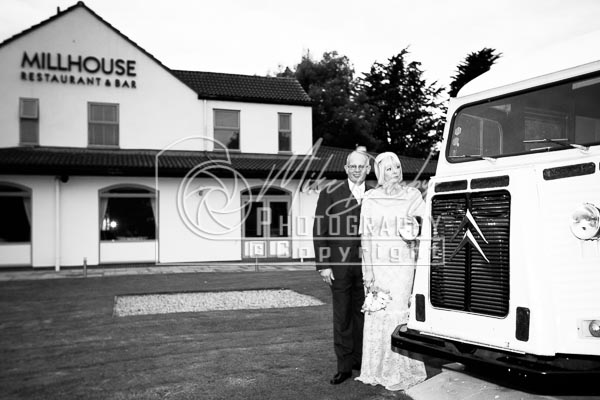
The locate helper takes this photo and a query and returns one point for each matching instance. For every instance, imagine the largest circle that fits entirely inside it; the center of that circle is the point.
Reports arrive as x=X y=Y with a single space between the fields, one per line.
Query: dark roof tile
x=247 y=88
x=328 y=163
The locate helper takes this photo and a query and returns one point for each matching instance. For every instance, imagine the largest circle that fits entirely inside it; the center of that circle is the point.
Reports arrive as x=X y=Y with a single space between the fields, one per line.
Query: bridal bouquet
x=376 y=299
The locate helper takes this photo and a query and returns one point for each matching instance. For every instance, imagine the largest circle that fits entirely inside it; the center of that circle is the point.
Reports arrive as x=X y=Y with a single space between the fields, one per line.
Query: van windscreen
x=552 y=118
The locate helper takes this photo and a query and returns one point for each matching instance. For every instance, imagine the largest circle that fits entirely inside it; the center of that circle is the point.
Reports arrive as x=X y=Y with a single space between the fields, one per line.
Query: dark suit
x=337 y=246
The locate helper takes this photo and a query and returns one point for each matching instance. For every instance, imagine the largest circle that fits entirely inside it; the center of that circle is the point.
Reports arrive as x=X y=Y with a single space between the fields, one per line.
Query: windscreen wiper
x=475 y=156
x=560 y=142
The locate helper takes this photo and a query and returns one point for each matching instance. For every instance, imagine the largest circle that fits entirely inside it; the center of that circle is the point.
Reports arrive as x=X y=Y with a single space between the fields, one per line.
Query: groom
x=337 y=244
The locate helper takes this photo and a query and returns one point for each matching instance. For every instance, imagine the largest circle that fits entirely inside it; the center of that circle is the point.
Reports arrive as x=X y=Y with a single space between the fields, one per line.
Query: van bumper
x=522 y=365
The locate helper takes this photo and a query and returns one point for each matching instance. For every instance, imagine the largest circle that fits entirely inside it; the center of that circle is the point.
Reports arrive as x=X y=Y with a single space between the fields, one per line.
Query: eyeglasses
x=356 y=167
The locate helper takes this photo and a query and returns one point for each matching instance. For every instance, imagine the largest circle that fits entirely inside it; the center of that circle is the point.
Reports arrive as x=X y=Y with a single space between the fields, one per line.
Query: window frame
x=26 y=194
x=274 y=195
x=281 y=131
x=108 y=123
x=227 y=128
x=23 y=118
x=137 y=192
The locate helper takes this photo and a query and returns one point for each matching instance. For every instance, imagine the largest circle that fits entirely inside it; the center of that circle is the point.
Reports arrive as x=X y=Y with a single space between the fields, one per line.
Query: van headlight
x=585 y=222
x=594 y=328
x=589 y=328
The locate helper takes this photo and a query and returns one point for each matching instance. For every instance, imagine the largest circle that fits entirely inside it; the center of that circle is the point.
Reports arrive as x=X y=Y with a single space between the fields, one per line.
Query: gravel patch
x=210 y=301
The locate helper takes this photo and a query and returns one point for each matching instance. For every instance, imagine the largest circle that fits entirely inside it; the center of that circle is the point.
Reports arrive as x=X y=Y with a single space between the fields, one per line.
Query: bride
x=387 y=215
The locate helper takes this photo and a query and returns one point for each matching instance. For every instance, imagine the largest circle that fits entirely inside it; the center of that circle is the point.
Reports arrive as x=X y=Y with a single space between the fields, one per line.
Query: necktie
x=357 y=193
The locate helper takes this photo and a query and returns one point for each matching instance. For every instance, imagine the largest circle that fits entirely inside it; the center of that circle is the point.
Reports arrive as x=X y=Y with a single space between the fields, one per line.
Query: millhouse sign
x=78 y=70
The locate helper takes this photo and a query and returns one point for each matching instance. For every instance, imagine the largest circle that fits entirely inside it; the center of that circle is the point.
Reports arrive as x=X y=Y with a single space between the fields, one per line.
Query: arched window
x=127 y=213
x=15 y=206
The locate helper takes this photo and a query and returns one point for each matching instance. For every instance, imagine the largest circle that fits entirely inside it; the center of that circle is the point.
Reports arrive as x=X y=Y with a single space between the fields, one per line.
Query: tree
x=330 y=83
x=403 y=107
x=475 y=64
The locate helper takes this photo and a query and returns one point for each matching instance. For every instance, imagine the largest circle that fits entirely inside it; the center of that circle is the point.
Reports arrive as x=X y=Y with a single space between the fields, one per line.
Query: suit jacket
x=335 y=231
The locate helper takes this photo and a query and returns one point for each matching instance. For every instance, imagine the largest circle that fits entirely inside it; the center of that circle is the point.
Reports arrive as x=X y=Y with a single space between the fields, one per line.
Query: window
x=227 y=129
x=127 y=213
x=15 y=206
x=103 y=124
x=29 y=121
x=551 y=118
x=267 y=217
x=285 y=132
x=266 y=223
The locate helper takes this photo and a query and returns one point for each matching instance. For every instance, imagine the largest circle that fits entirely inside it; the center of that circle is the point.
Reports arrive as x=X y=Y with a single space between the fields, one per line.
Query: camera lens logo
x=208 y=199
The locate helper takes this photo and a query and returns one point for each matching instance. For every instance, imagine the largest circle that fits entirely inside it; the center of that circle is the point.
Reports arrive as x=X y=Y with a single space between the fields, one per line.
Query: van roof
x=560 y=56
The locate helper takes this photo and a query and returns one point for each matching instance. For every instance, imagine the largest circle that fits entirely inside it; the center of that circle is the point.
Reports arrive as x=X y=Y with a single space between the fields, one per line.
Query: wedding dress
x=393 y=260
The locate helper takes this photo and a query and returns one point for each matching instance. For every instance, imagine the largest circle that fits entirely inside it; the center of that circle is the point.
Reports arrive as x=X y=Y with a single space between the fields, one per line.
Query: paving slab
x=454 y=384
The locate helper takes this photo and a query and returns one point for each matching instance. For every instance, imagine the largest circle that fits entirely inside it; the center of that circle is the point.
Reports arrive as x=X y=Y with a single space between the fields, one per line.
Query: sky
x=258 y=37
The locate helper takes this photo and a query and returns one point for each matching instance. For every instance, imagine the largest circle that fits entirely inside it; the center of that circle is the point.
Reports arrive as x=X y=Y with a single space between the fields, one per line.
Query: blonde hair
x=380 y=164
x=382 y=161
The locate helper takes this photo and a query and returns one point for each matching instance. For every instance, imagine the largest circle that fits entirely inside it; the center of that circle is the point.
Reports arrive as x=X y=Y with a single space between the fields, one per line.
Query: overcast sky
x=255 y=37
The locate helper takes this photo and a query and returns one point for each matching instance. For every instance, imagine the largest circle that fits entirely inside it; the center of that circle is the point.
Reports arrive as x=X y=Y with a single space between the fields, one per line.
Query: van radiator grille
x=463 y=279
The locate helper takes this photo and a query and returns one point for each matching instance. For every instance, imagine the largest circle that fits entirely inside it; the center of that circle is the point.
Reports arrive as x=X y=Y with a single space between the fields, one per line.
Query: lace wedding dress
x=393 y=261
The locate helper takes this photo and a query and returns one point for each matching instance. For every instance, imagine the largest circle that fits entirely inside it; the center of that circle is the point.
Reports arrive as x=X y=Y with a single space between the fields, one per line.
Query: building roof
x=328 y=162
x=258 y=89
x=68 y=161
x=208 y=85
x=411 y=167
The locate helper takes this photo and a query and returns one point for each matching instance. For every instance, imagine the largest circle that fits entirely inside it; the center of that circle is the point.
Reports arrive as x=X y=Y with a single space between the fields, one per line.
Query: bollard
x=85 y=267
x=256 y=264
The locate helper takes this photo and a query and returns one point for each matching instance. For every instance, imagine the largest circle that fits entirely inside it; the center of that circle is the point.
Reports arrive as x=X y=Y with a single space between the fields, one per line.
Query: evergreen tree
x=403 y=107
x=475 y=64
x=330 y=83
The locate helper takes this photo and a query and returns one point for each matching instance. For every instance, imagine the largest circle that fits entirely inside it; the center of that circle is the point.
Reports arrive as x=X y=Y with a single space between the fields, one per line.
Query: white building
x=109 y=156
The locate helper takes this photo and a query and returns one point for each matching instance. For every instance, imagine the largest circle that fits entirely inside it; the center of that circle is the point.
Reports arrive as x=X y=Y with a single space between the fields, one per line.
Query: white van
x=509 y=260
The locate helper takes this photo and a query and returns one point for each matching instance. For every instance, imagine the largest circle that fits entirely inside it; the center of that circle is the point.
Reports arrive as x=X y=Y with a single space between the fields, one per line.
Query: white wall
x=127 y=252
x=160 y=110
x=189 y=230
x=305 y=212
x=42 y=224
x=259 y=125
x=80 y=220
x=43 y=221
x=15 y=254
x=79 y=229
x=188 y=233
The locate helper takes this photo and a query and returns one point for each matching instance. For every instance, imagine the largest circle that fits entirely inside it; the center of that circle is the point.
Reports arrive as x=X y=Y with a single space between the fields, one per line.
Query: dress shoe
x=356 y=366
x=340 y=377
